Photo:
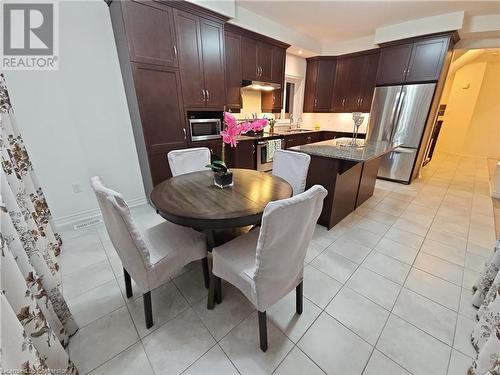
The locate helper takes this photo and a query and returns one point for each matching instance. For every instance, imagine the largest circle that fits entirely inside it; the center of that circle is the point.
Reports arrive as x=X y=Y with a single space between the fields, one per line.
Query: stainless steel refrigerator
x=399 y=114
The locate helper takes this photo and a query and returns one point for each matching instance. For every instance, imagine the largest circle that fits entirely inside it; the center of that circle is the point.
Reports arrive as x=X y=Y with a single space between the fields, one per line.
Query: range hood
x=259 y=85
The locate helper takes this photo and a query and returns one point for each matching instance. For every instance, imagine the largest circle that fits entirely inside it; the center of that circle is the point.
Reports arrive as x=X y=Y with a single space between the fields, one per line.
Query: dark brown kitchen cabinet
x=215 y=147
x=249 y=58
x=426 y=60
x=257 y=60
x=320 y=77
x=301 y=139
x=171 y=58
x=200 y=47
x=278 y=67
x=369 y=76
x=264 y=61
x=242 y=156
x=418 y=61
x=355 y=83
x=356 y=70
x=341 y=89
x=212 y=42
x=393 y=64
x=150 y=32
x=233 y=71
x=158 y=91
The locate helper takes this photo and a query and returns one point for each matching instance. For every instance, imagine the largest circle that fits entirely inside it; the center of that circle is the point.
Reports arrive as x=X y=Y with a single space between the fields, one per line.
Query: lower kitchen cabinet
x=215 y=147
x=301 y=139
x=241 y=156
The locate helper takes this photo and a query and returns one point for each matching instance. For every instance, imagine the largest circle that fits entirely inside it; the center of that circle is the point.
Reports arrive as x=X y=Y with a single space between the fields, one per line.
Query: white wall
x=421 y=26
x=75 y=121
x=224 y=7
x=471 y=125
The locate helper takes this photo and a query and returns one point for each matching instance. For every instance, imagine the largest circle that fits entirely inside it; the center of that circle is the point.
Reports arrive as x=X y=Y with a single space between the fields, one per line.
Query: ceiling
x=337 y=21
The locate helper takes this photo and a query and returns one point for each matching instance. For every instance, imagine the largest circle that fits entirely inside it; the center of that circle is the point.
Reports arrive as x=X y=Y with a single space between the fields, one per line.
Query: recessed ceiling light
x=300 y=52
x=495 y=53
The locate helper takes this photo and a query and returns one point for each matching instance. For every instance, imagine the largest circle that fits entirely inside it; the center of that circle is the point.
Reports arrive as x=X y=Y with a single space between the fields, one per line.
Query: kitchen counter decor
x=233 y=129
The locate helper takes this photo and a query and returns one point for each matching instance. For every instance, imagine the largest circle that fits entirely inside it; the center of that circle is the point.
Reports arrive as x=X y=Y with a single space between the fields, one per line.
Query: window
x=292 y=97
x=289 y=96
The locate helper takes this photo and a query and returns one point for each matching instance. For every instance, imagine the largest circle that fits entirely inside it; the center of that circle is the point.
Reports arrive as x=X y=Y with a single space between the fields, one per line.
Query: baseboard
x=93 y=213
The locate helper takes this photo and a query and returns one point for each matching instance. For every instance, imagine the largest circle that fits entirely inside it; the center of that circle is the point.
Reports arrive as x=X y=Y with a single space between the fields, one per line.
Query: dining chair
x=292 y=167
x=268 y=262
x=188 y=160
x=150 y=257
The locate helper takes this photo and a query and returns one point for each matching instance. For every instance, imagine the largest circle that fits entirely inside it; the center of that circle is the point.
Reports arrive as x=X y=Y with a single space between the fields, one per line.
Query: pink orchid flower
x=232 y=129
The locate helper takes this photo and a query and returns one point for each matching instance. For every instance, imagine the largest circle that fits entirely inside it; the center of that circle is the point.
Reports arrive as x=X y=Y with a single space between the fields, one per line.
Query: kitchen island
x=348 y=173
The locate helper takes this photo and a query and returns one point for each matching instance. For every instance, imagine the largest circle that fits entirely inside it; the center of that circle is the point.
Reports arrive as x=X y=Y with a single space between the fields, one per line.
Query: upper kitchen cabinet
x=257 y=60
x=418 y=61
x=254 y=57
x=393 y=64
x=150 y=33
x=355 y=82
x=320 y=78
x=200 y=45
x=171 y=58
x=233 y=71
x=272 y=101
x=427 y=59
x=278 y=65
x=369 y=76
x=249 y=58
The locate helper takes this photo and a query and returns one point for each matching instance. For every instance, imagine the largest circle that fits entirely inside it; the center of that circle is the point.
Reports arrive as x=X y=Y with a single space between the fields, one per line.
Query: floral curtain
x=486 y=334
x=35 y=321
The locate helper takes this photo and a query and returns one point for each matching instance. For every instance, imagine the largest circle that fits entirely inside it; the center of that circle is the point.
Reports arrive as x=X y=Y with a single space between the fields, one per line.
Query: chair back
x=188 y=160
x=122 y=230
x=292 y=167
x=286 y=231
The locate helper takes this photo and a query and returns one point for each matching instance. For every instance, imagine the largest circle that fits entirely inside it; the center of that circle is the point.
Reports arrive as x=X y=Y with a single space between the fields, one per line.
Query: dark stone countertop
x=337 y=149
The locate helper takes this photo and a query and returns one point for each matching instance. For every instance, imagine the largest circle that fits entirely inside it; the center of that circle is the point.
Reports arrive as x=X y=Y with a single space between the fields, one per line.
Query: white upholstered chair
x=149 y=257
x=188 y=160
x=268 y=262
x=292 y=167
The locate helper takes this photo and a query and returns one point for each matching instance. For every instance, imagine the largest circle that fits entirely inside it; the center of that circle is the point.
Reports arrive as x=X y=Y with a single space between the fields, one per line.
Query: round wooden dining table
x=193 y=200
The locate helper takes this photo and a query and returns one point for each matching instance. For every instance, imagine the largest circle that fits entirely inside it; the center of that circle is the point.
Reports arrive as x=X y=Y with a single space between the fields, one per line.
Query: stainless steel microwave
x=204 y=129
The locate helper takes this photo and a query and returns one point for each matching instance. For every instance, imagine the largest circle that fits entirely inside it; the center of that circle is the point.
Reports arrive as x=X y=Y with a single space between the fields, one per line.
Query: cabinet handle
x=175 y=51
x=343 y=102
x=184 y=130
x=407 y=71
x=315 y=102
x=203 y=95
x=208 y=95
x=274 y=100
x=360 y=102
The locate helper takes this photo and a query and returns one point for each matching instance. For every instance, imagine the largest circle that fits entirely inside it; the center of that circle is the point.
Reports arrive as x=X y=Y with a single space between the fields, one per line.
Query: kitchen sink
x=297 y=130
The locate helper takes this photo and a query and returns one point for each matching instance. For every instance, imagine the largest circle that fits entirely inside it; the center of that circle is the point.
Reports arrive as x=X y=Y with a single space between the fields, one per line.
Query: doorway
x=468 y=121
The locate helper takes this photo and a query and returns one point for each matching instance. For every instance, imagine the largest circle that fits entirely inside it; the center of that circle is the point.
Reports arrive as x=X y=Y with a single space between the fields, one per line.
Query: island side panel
x=341 y=179
x=346 y=190
x=368 y=180
x=323 y=171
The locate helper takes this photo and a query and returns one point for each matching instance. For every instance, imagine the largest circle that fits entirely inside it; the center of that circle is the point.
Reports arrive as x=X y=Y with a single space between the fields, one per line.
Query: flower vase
x=223 y=179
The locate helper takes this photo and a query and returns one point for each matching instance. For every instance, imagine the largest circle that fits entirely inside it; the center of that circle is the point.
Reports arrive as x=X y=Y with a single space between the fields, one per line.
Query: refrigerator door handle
x=394 y=113
x=397 y=114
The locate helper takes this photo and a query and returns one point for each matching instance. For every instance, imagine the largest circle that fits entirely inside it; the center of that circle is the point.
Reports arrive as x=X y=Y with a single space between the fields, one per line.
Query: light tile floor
x=387 y=292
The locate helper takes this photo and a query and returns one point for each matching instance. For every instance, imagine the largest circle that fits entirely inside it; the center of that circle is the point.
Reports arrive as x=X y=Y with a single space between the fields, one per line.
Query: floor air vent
x=88 y=223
